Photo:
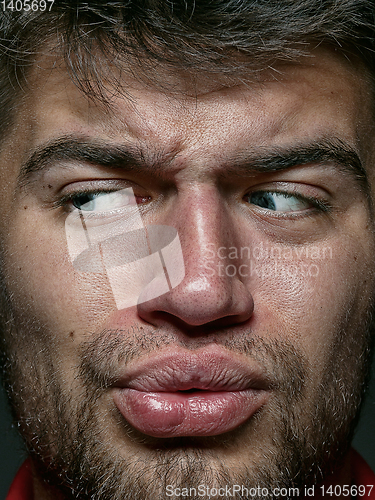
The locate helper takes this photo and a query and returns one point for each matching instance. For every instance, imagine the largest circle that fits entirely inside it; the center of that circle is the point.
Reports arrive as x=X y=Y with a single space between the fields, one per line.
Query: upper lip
x=208 y=369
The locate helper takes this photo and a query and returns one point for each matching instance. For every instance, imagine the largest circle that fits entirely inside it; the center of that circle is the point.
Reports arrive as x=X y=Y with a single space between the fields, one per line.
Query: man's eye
x=103 y=201
x=278 y=202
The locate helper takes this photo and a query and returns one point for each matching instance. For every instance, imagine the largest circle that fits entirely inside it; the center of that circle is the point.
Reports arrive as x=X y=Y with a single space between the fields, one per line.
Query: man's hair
x=217 y=36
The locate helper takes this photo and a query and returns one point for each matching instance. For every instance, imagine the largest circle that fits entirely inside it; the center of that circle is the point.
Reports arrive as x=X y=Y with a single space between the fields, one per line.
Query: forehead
x=322 y=96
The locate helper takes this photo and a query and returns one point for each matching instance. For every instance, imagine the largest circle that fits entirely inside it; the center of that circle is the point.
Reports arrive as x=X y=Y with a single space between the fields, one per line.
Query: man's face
x=250 y=370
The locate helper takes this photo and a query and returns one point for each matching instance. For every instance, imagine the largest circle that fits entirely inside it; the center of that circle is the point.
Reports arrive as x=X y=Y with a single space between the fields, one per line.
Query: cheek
x=307 y=295
x=45 y=286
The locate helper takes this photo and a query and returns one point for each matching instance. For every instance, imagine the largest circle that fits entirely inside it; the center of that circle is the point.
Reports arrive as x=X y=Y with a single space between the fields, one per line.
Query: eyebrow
x=247 y=162
x=72 y=149
x=277 y=158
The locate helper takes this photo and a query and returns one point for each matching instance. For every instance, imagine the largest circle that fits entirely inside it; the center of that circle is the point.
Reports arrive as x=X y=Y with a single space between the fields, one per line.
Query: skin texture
x=304 y=323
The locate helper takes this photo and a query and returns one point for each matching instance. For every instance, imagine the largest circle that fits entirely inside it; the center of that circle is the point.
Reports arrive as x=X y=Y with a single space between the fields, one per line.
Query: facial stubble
x=71 y=438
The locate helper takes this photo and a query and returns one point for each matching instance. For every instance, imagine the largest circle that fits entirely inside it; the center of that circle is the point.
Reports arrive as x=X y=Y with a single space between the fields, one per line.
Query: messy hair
x=217 y=36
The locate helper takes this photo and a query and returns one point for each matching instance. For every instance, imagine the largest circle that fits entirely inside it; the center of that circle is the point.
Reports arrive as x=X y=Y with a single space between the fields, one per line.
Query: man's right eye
x=102 y=201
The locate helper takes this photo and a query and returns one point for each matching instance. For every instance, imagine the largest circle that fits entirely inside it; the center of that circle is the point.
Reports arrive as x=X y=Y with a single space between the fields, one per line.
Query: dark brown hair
x=219 y=36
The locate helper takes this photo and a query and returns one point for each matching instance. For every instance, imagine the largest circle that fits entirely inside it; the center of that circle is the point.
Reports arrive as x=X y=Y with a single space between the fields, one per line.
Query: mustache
x=107 y=351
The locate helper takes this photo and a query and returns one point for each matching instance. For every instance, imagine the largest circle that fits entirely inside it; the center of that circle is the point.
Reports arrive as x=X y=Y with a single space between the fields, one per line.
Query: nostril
x=201 y=301
x=231 y=320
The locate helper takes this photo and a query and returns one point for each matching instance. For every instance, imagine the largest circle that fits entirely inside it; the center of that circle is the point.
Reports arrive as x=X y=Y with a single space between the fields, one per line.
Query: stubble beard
x=183 y=462
x=67 y=436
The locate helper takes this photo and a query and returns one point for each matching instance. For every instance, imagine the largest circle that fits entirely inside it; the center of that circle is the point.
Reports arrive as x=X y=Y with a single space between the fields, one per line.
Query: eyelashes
x=285 y=202
x=103 y=201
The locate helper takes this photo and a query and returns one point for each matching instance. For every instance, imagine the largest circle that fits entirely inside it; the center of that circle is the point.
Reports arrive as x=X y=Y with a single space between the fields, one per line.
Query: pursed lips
x=182 y=393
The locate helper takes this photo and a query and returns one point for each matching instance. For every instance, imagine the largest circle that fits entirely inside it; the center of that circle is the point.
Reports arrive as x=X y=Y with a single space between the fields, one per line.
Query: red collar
x=22 y=486
x=362 y=474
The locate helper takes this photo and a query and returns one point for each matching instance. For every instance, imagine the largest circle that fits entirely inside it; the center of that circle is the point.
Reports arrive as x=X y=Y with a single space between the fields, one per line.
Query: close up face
x=249 y=370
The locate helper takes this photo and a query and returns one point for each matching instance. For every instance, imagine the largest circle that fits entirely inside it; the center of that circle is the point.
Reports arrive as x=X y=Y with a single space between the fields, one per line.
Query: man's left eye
x=278 y=202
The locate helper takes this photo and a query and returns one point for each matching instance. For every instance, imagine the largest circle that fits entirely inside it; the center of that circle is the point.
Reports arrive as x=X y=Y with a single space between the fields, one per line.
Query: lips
x=203 y=393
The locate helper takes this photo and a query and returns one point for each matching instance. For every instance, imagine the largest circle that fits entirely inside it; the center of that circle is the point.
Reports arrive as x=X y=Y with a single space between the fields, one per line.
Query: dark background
x=12 y=454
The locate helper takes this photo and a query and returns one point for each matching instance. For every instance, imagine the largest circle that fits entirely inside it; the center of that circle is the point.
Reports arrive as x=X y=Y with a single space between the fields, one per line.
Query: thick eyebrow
x=70 y=149
x=243 y=163
x=332 y=151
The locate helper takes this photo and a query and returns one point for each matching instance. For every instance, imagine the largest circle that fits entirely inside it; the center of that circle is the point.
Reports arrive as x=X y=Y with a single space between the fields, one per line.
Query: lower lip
x=201 y=413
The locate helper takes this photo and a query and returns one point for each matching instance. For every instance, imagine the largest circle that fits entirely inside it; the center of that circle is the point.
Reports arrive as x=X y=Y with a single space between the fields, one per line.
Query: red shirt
x=22 y=488
x=362 y=475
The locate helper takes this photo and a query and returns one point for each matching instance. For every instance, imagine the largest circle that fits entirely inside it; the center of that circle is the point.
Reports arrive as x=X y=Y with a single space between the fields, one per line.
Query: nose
x=207 y=295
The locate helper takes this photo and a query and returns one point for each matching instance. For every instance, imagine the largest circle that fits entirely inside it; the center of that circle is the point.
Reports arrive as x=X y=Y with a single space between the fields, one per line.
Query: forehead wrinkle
x=181 y=133
x=120 y=120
